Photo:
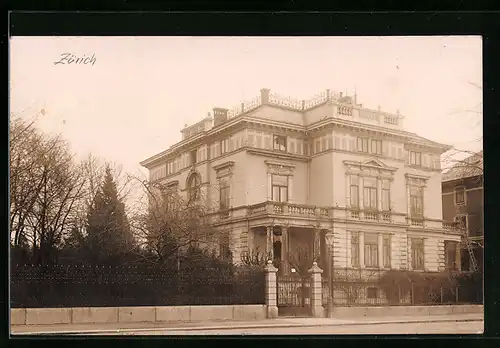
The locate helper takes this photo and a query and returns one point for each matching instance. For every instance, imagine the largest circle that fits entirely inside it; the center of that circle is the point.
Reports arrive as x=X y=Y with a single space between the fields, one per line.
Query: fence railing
x=82 y=286
x=375 y=288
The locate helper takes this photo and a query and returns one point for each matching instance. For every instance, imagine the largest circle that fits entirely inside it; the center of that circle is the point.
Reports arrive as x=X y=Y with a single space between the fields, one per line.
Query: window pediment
x=279 y=168
x=224 y=169
x=372 y=165
x=416 y=180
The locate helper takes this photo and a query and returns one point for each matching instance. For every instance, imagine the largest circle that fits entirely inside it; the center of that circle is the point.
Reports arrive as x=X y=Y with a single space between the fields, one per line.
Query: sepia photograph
x=210 y=185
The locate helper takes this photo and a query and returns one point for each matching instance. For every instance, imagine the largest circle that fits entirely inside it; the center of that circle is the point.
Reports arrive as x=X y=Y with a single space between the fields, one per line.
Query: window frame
x=224 y=188
x=388 y=192
x=414 y=251
x=452 y=251
x=455 y=191
x=280 y=187
x=371 y=248
x=194 y=191
x=416 y=198
x=386 y=253
x=414 y=155
x=351 y=186
x=370 y=194
x=355 y=261
x=364 y=142
x=378 y=146
x=276 y=145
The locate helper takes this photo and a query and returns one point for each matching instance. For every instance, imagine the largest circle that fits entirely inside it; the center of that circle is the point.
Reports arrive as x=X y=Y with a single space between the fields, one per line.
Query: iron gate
x=294 y=295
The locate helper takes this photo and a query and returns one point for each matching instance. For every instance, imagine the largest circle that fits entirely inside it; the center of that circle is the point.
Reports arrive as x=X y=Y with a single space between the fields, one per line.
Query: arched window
x=194 y=183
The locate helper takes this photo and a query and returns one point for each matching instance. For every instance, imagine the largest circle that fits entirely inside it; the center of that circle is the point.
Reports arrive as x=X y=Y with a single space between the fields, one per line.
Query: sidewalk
x=217 y=325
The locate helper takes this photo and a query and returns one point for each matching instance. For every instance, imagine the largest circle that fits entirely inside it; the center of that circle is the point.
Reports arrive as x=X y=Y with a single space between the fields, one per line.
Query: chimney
x=220 y=116
x=264 y=95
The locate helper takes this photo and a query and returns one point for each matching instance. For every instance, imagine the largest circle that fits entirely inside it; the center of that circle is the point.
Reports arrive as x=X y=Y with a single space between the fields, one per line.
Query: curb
x=256 y=326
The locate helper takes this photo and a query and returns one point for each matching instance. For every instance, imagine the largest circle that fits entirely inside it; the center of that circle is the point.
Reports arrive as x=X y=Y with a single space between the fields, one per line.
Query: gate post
x=271 y=291
x=316 y=291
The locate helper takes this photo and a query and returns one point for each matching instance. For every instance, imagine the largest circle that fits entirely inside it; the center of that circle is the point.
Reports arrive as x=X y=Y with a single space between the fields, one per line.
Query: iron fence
x=82 y=286
x=365 y=287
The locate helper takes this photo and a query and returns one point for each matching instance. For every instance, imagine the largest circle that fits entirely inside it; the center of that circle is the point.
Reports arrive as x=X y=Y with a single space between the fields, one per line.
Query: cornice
x=277 y=155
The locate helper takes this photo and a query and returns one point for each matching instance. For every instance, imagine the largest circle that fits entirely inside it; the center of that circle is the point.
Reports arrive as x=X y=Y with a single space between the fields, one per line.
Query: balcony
x=370 y=215
x=297 y=210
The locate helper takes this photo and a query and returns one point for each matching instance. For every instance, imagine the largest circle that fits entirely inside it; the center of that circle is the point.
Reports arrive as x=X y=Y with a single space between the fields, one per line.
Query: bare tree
x=45 y=185
x=166 y=223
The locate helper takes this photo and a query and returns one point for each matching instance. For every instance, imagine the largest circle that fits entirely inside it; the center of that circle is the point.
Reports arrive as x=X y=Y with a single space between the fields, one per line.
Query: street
x=466 y=323
x=471 y=327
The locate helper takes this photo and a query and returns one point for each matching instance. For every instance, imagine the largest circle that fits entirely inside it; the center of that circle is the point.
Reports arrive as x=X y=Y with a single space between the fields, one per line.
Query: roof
x=469 y=167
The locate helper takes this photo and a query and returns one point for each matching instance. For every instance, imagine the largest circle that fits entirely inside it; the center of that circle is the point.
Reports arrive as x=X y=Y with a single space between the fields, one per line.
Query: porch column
x=269 y=243
x=380 y=245
x=285 y=247
x=361 y=249
x=317 y=240
x=458 y=257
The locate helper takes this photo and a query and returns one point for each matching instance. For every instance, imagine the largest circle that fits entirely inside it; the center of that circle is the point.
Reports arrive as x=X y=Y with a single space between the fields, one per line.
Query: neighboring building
x=462 y=189
x=281 y=174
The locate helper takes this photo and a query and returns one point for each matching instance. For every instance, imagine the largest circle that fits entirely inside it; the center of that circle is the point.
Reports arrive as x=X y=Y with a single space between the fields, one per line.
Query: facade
x=326 y=174
x=462 y=190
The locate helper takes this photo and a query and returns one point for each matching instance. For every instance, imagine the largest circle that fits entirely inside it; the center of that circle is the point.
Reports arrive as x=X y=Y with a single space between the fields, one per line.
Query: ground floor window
x=417 y=253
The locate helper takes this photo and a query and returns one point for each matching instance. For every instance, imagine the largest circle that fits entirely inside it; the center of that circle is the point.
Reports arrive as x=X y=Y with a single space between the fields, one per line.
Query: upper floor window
x=386 y=195
x=279 y=188
x=416 y=201
x=371 y=250
x=354 y=191
x=193 y=156
x=224 y=146
x=223 y=195
x=417 y=253
x=415 y=158
x=370 y=193
x=194 y=183
x=362 y=144
x=376 y=146
x=459 y=195
x=279 y=142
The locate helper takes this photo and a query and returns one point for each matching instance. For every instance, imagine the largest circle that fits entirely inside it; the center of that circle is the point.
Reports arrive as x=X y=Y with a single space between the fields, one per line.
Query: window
x=450 y=255
x=225 y=251
x=224 y=146
x=354 y=191
x=417 y=254
x=371 y=250
x=415 y=158
x=170 y=168
x=386 y=195
x=279 y=142
x=193 y=155
x=223 y=195
x=370 y=193
x=416 y=201
x=318 y=146
x=386 y=249
x=355 y=250
x=377 y=147
x=280 y=188
x=371 y=292
x=362 y=144
x=194 y=187
x=459 y=195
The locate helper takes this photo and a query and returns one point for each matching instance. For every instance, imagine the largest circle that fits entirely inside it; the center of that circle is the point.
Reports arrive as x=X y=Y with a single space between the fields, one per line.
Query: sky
x=132 y=102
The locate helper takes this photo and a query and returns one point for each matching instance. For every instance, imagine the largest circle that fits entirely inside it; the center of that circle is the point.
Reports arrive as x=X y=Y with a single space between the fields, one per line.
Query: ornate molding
x=416 y=180
x=224 y=169
x=279 y=168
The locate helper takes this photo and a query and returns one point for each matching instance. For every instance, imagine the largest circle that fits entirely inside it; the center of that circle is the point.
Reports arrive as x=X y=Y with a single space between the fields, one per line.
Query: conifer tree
x=109 y=236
